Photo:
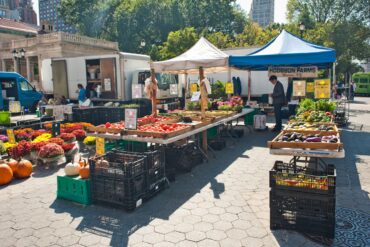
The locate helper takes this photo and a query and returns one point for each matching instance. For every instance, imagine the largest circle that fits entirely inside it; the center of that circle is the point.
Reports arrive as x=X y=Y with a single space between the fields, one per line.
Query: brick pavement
x=221 y=203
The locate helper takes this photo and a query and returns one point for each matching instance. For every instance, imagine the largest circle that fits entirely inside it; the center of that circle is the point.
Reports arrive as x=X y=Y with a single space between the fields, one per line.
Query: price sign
x=229 y=87
x=299 y=88
x=15 y=106
x=310 y=87
x=322 y=89
x=137 y=91
x=194 y=87
x=100 y=146
x=11 y=137
x=55 y=129
x=131 y=118
x=174 y=89
x=195 y=97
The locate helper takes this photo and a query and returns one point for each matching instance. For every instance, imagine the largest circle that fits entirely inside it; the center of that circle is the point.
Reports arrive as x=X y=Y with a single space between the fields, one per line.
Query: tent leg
x=249 y=85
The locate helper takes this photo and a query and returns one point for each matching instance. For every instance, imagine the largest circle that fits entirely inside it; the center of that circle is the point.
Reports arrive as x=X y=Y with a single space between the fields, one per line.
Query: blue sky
x=280 y=8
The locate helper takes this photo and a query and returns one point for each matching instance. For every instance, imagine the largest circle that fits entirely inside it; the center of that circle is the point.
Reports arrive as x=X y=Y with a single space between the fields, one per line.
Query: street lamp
x=18 y=55
x=302 y=27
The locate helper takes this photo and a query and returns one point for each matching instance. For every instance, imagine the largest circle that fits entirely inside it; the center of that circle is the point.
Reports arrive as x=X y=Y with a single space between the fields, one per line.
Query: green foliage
x=320 y=105
x=218 y=90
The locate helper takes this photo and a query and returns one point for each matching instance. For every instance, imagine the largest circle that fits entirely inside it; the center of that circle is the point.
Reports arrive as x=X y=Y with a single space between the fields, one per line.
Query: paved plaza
x=224 y=202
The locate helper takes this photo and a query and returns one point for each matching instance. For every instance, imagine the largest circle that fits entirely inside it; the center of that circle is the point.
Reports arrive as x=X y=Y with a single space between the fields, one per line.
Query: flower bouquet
x=24 y=136
x=80 y=134
x=50 y=152
x=2 y=148
x=3 y=138
x=21 y=150
x=56 y=140
x=35 y=148
x=42 y=138
x=68 y=137
x=37 y=133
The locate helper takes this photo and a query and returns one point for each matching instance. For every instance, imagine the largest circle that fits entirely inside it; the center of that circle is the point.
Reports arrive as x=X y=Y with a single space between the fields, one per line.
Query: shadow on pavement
x=119 y=225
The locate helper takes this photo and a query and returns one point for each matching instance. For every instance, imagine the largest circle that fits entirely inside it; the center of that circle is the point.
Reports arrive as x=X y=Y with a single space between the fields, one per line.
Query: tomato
x=107 y=125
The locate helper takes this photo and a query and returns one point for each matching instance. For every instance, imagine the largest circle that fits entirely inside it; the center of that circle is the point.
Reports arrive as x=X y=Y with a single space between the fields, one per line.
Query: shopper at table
x=81 y=93
x=278 y=100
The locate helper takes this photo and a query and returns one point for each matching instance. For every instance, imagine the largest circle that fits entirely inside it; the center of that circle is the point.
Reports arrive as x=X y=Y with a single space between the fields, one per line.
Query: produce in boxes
x=313 y=116
x=162 y=128
x=309 y=126
x=50 y=150
x=299 y=137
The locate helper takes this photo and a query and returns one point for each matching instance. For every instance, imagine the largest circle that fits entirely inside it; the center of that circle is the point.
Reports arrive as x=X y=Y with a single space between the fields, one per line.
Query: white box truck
x=114 y=73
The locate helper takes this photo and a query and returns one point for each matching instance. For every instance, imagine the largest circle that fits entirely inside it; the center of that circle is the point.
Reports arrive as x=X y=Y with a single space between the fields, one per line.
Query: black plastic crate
x=120 y=165
x=302 y=212
x=217 y=144
x=307 y=204
x=153 y=159
x=126 y=193
x=154 y=175
x=303 y=179
x=156 y=187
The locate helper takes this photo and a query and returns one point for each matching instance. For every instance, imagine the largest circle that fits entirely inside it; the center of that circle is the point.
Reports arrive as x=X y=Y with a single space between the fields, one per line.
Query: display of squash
x=72 y=169
x=6 y=174
x=12 y=163
x=24 y=169
x=85 y=171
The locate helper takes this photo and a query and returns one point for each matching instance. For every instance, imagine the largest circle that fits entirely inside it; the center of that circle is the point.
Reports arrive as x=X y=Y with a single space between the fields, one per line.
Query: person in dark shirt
x=278 y=100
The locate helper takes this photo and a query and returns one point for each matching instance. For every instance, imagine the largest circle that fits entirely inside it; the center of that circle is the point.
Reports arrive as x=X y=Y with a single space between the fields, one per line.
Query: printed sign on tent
x=322 y=89
x=229 y=88
x=137 y=91
x=310 y=87
x=11 y=136
x=194 y=87
x=300 y=72
x=299 y=88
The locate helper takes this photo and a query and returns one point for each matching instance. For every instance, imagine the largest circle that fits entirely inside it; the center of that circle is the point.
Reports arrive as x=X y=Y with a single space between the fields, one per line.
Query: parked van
x=15 y=87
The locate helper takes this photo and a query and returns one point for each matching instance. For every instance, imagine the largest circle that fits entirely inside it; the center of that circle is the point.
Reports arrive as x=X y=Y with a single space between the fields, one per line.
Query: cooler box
x=259 y=122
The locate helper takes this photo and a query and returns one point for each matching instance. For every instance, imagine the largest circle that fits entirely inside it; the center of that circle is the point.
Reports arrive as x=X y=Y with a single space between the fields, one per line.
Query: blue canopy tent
x=285 y=50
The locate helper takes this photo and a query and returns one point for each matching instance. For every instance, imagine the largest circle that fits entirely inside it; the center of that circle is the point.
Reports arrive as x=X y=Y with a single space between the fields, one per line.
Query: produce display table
x=175 y=138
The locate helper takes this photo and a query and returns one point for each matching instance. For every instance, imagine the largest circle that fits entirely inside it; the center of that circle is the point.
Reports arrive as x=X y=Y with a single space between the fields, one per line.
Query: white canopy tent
x=202 y=54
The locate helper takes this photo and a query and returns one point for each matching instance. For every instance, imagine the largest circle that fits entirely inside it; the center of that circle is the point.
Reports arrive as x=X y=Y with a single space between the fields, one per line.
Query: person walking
x=81 y=94
x=278 y=100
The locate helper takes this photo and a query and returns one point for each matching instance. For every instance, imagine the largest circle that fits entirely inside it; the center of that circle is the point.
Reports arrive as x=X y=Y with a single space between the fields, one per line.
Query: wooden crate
x=158 y=134
x=275 y=144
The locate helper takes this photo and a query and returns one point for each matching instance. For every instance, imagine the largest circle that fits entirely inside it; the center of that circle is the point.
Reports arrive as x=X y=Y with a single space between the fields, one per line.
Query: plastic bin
x=249 y=118
x=5 y=118
x=121 y=165
x=212 y=133
x=303 y=179
x=74 y=189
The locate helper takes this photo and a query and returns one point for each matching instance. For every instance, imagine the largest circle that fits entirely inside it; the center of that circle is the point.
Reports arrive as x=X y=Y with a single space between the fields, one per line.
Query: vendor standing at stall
x=81 y=94
x=278 y=100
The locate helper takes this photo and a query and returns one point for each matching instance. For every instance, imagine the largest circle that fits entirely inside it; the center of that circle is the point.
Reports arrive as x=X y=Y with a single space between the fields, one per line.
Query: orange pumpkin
x=6 y=174
x=13 y=164
x=24 y=169
x=85 y=171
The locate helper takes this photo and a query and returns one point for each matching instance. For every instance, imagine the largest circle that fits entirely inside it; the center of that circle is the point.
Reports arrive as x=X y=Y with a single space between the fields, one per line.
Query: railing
x=58 y=37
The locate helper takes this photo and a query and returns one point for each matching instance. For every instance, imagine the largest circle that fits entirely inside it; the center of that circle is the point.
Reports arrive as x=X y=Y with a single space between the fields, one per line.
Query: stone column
x=28 y=69
x=15 y=62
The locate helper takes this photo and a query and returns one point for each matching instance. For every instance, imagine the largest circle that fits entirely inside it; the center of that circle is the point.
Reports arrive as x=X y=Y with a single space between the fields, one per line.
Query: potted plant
x=50 y=152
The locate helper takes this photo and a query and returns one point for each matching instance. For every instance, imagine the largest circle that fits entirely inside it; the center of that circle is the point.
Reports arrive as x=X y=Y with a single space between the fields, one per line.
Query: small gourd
x=85 y=171
x=72 y=169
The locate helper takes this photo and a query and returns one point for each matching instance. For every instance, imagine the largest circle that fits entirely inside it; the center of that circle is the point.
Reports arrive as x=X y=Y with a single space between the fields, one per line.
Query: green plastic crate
x=5 y=118
x=212 y=132
x=74 y=189
x=132 y=146
x=249 y=118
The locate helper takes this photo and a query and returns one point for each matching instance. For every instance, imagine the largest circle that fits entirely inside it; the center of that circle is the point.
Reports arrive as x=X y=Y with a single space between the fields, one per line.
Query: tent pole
x=203 y=105
x=186 y=85
x=154 y=93
x=229 y=80
x=249 y=85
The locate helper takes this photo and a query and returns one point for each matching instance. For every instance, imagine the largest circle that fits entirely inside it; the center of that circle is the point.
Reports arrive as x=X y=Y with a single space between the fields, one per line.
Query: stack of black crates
x=127 y=179
x=303 y=199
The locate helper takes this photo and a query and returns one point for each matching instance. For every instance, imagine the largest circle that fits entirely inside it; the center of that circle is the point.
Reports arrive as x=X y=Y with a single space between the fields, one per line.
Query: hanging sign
x=322 y=89
x=56 y=129
x=310 y=87
x=229 y=88
x=195 y=97
x=131 y=118
x=137 y=91
x=300 y=72
x=194 y=87
x=174 y=89
x=107 y=84
x=100 y=146
x=11 y=137
x=299 y=88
